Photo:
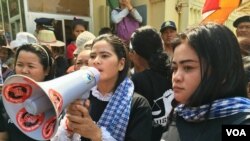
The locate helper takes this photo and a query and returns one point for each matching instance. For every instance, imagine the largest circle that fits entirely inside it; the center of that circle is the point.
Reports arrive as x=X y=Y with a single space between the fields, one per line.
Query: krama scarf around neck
x=115 y=117
x=218 y=109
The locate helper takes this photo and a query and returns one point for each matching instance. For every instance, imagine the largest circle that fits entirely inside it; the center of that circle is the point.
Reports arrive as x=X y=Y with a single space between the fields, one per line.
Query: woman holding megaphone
x=34 y=61
x=113 y=111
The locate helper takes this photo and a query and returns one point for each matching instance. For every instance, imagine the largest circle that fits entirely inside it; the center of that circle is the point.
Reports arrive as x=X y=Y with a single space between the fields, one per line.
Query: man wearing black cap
x=168 y=33
x=44 y=23
x=242 y=25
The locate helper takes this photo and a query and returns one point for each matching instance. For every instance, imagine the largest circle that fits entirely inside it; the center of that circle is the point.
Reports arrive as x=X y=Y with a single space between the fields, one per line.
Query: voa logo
x=236 y=132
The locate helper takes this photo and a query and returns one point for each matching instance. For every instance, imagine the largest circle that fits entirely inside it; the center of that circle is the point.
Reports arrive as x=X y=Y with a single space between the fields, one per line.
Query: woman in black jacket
x=152 y=77
x=113 y=112
x=209 y=84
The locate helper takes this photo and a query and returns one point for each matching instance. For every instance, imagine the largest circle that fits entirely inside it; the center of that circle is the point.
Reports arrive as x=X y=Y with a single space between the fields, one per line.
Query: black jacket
x=209 y=130
x=139 y=126
x=154 y=86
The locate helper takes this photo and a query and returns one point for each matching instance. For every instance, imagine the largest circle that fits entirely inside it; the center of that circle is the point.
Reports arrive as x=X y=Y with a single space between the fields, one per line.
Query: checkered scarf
x=219 y=108
x=116 y=115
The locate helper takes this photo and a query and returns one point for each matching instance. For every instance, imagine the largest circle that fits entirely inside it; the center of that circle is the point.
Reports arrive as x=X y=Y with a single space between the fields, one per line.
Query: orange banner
x=218 y=10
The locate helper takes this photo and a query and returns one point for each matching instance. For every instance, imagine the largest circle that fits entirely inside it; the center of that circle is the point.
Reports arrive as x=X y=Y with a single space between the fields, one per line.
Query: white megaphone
x=34 y=107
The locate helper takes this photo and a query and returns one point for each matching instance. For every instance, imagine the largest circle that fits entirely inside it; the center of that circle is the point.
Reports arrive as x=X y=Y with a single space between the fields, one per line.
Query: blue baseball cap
x=167 y=24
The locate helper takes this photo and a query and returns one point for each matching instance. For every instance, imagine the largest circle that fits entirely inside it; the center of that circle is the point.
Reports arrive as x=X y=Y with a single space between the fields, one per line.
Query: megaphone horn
x=34 y=107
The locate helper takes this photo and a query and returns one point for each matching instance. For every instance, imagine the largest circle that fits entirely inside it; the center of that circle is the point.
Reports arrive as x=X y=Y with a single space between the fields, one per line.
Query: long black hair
x=221 y=64
x=147 y=43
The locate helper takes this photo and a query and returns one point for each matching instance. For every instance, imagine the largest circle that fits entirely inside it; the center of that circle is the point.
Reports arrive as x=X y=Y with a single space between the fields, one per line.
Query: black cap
x=167 y=24
x=45 y=21
x=240 y=20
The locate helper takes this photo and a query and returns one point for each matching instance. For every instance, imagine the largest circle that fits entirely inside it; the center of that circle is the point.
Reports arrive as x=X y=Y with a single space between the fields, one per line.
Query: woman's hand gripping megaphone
x=79 y=121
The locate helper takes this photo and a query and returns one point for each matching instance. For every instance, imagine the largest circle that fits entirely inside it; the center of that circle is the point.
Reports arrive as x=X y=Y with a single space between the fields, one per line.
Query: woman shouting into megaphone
x=113 y=111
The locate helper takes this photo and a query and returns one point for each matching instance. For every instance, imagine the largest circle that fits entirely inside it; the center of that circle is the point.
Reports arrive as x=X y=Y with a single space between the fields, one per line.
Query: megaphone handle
x=86 y=95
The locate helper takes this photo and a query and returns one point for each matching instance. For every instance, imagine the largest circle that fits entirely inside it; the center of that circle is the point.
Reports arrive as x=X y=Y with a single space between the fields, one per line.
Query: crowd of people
x=154 y=85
